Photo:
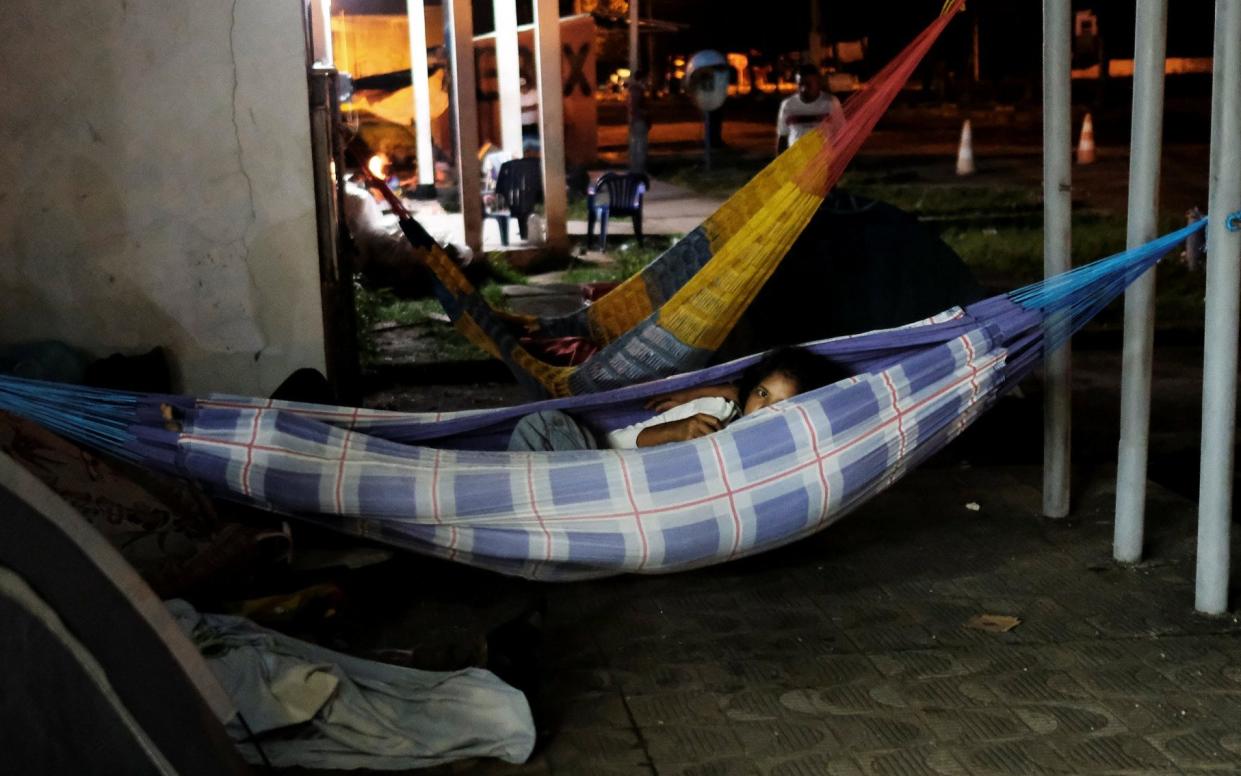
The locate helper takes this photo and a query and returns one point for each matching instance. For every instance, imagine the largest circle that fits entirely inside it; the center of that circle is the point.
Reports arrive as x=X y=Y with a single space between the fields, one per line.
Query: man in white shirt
x=806 y=109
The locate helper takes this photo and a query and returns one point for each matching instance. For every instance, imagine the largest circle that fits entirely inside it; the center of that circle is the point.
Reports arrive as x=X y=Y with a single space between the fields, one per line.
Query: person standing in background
x=529 y=117
x=639 y=123
x=804 y=110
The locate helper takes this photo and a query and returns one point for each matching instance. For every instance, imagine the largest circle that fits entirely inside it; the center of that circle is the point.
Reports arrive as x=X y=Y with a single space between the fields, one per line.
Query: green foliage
x=627 y=260
x=728 y=173
x=369 y=306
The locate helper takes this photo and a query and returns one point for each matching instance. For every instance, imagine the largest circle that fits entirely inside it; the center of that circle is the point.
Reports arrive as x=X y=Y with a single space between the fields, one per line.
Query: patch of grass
x=376 y=306
x=727 y=174
x=1010 y=257
x=947 y=199
x=627 y=260
x=503 y=272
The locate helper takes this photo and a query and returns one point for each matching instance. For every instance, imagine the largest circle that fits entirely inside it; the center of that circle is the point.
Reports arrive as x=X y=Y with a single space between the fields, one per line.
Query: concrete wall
x=155 y=185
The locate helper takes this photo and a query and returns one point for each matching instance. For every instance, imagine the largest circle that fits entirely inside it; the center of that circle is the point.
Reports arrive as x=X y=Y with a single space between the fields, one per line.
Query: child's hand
x=683 y=430
x=677 y=398
x=669 y=400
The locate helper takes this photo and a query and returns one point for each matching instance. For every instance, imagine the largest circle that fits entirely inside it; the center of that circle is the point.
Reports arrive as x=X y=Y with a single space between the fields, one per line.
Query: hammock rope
x=438 y=484
x=672 y=315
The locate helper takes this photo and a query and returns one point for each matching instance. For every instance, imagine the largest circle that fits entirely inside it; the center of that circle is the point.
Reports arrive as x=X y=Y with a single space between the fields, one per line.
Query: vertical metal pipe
x=340 y=341
x=422 y=92
x=1219 y=378
x=551 y=119
x=1057 y=244
x=1146 y=140
x=321 y=33
x=459 y=23
x=634 y=62
x=508 y=76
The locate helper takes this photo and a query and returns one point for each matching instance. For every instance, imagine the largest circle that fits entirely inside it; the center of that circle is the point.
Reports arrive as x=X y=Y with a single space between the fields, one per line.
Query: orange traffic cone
x=965 y=153
x=1085 y=144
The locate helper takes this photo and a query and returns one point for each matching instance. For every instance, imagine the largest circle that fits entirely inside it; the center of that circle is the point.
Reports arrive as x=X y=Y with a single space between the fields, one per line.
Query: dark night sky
x=1010 y=30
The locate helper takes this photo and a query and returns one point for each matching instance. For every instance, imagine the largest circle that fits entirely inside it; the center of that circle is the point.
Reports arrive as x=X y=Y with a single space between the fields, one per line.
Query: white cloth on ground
x=716 y=406
x=344 y=712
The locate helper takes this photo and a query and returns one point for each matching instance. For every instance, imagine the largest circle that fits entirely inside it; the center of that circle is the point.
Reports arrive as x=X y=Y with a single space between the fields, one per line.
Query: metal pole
x=508 y=76
x=340 y=340
x=1146 y=142
x=551 y=119
x=1219 y=378
x=459 y=23
x=321 y=33
x=1057 y=243
x=706 y=140
x=422 y=94
x=634 y=62
x=816 y=34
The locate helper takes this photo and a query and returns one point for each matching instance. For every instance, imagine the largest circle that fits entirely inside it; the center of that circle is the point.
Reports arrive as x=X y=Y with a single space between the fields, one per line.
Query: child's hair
x=808 y=370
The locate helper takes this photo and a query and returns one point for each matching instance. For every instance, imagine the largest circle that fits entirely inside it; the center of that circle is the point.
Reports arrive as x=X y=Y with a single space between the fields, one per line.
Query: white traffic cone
x=1085 y=144
x=965 y=153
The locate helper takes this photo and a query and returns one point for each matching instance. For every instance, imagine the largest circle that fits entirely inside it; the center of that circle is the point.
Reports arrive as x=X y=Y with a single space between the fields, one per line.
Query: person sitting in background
x=690 y=413
x=803 y=111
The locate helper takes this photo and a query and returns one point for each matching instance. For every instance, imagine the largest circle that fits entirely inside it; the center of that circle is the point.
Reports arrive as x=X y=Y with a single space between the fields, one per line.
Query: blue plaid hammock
x=434 y=483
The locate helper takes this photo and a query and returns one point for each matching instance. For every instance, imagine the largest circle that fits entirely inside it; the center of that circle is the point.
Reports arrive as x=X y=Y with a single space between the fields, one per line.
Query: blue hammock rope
x=1080 y=294
x=438 y=484
x=108 y=419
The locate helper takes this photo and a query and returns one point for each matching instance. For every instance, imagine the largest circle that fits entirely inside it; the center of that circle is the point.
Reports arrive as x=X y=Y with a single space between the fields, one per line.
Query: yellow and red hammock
x=677 y=311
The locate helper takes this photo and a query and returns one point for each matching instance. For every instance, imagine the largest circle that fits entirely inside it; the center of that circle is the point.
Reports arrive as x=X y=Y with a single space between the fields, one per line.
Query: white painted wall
x=155 y=185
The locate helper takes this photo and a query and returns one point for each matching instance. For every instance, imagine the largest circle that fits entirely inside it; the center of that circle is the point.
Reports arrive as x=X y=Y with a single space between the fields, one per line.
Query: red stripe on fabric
x=969 y=362
x=340 y=469
x=435 y=488
x=732 y=502
x=637 y=513
x=900 y=416
x=254 y=435
x=814 y=442
x=547 y=553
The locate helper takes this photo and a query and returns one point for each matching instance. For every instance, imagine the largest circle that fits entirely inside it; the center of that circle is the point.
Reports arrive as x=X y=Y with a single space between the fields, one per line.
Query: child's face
x=775 y=387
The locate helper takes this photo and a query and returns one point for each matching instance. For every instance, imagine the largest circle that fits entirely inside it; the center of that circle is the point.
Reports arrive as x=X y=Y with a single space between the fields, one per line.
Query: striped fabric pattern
x=673 y=314
x=766 y=480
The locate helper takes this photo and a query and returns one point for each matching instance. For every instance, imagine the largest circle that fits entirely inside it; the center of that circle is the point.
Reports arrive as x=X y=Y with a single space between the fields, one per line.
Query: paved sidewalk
x=668 y=209
x=849 y=653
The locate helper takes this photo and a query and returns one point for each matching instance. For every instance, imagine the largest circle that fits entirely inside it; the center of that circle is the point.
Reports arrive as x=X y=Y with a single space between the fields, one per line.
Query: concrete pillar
x=551 y=119
x=1057 y=245
x=459 y=26
x=1146 y=140
x=422 y=92
x=508 y=76
x=1219 y=378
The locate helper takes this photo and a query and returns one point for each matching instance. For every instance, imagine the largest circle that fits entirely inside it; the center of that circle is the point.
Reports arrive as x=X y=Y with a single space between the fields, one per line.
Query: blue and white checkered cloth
x=770 y=478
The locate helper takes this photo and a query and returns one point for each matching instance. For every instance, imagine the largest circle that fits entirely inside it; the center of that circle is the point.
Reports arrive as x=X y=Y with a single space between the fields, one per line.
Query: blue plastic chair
x=624 y=198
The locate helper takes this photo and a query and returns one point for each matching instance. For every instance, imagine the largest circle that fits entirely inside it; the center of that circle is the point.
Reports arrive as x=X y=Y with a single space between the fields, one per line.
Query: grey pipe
x=1219 y=378
x=1145 y=144
x=1057 y=244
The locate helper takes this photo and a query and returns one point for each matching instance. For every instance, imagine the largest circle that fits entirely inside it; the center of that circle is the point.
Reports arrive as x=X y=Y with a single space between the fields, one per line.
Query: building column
x=419 y=80
x=508 y=76
x=551 y=119
x=459 y=29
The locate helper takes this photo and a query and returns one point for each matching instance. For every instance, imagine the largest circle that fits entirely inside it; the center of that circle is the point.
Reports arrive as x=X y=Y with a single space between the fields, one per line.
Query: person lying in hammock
x=690 y=413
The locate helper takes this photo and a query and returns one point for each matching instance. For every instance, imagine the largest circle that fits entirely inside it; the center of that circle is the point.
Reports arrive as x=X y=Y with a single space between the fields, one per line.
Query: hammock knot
x=1233 y=222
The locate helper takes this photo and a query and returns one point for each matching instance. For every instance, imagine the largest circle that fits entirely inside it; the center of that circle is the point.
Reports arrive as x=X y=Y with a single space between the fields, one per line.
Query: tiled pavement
x=848 y=653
